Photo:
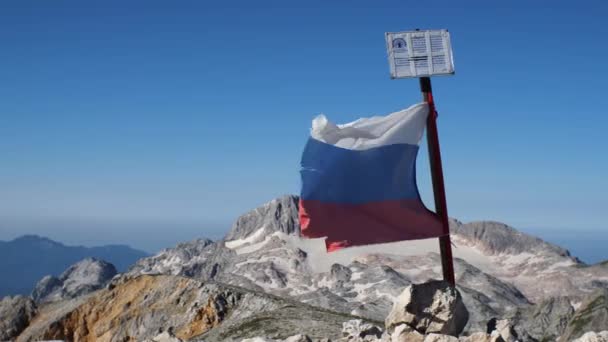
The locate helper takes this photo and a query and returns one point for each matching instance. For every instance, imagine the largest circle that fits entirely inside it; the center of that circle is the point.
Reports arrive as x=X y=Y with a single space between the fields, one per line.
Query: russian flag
x=359 y=181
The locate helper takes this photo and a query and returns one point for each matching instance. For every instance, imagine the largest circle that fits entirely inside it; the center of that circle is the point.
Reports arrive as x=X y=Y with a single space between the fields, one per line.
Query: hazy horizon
x=147 y=236
x=151 y=237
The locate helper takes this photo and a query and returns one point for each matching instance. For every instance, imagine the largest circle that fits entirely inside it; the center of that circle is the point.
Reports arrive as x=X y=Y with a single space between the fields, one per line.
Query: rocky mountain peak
x=83 y=277
x=89 y=269
x=496 y=238
x=278 y=215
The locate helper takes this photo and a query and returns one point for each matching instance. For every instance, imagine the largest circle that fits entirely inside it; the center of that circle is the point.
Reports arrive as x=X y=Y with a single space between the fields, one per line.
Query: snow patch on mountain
x=255 y=237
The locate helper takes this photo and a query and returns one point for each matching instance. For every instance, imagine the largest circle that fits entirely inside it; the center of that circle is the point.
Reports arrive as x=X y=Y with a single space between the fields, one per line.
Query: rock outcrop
x=15 y=315
x=165 y=336
x=84 y=277
x=278 y=215
x=502 y=328
x=593 y=337
x=138 y=308
x=433 y=307
x=294 y=338
x=498 y=238
x=545 y=321
x=592 y=315
x=358 y=330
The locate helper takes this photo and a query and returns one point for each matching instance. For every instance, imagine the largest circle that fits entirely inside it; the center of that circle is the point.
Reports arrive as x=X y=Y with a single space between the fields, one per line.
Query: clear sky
x=176 y=117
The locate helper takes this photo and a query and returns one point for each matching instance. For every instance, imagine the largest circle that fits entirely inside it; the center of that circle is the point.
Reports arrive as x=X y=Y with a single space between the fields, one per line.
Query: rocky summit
x=263 y=282
x=79 y=279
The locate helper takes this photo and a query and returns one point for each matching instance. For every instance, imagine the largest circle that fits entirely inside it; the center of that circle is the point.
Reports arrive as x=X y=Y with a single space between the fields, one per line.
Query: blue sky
x=183 y=115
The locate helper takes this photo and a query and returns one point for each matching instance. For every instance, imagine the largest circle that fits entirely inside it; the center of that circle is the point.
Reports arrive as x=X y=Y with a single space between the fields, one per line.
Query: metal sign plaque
x=419 y=53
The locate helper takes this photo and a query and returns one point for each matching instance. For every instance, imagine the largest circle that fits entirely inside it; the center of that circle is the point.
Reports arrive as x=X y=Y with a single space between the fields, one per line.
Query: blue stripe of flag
x=337 y=175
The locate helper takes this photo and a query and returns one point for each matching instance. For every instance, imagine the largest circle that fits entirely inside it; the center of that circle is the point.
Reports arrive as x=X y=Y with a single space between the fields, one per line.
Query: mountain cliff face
x=501 y=273
x=30 y=257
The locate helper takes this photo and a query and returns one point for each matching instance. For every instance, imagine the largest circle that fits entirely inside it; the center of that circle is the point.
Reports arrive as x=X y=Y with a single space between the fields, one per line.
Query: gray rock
x=405 y=333
x=432 y=307
x=192 y=259
x=545 y=321
x=495 y=238
x=165 y=336
x=279 y=215
x=358 y=330
x=481 y=337
x=593 y=337
x=85 y=276
x=15 y=315
x=592 y=315
x=440 y=338
x=47 y=285
x=485 y=296
x=340 y=273
x=298 y=338
x=504 y=329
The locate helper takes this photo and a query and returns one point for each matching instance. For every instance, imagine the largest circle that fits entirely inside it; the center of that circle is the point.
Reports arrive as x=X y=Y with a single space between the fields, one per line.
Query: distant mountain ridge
x=26 y=259
x=262 y=275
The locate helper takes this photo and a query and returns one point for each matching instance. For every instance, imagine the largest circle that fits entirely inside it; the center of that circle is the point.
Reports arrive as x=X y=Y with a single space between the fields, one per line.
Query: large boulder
x=432 y=307
x=592 y=315
x=15 y=315
x=440 y=338
x=405 y=333
x=502 y=328
x=83 y=277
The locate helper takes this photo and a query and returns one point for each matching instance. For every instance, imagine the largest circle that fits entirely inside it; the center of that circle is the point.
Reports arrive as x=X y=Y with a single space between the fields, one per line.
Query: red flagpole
x=441 y=207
